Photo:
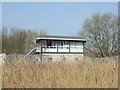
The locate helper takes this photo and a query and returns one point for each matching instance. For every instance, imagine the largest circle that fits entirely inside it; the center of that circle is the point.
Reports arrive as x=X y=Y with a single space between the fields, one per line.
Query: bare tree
x=101 y=32
x=19 y=41
x=29 y=40
x=4 y=39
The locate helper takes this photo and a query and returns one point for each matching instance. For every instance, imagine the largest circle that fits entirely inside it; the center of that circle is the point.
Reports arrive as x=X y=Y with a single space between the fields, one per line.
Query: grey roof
x=62 y=37
x=53 y=36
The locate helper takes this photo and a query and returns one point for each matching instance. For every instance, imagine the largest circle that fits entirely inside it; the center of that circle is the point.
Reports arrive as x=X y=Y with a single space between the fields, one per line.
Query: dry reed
x=24 y=73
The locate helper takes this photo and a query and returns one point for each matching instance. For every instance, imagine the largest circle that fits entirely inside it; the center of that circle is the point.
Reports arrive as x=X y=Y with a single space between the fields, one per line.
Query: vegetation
x=101 y=32
x=18 y=41
x=89 y=73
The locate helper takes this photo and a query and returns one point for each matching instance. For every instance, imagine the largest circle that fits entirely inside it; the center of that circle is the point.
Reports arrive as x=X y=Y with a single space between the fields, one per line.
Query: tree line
x=100 y=31
x=18 y=41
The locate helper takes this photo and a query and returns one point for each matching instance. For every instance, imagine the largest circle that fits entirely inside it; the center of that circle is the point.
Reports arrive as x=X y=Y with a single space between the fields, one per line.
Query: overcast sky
x=57 y=18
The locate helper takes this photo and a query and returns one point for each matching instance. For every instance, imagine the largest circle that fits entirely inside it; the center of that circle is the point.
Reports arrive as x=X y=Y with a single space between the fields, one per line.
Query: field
x=88 y=73
x=0 y=77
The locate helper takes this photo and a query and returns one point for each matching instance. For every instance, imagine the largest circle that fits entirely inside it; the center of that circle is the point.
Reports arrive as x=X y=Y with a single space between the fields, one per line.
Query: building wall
x=74 y=47
x=60 y=57
x=2 y=57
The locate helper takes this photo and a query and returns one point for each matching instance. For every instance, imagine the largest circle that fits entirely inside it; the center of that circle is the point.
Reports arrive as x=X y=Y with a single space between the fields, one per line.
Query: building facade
x=59 y=46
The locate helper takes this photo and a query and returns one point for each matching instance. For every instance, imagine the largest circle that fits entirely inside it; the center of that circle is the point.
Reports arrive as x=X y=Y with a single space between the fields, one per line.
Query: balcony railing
x=60 y=49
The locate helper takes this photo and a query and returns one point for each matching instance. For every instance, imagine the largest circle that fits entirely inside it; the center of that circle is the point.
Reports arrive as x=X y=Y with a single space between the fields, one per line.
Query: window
x=63 y=44
x=66 y=44
x=54 y=44
x=49 y=43
x=76 y=43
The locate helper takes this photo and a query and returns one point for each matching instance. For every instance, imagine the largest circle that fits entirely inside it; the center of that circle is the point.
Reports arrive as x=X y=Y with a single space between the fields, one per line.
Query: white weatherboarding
x=58 y=46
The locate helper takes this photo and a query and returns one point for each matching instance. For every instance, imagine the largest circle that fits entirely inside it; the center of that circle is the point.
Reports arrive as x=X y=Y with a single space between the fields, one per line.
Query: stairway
x=32 y=52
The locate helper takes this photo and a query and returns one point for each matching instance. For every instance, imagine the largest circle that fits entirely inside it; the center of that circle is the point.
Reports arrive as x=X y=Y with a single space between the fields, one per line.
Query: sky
x=56 y=18
x=0 y=15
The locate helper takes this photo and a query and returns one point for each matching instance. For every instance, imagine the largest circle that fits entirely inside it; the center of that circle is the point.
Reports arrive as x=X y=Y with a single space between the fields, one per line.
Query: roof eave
x=70 y=39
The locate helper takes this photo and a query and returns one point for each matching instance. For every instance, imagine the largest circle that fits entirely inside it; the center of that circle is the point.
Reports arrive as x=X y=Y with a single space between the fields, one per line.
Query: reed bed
x=88 y=73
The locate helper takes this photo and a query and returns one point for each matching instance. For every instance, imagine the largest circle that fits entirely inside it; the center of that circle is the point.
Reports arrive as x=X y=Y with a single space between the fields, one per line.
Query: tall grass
x=0 y=76
x=24 y=73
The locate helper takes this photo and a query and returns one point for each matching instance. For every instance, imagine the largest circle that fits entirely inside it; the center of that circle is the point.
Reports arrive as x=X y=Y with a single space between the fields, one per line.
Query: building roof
x=73 y=38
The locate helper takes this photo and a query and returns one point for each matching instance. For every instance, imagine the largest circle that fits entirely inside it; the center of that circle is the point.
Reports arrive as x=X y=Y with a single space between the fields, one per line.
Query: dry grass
x=80 y=74
x=0 y=76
